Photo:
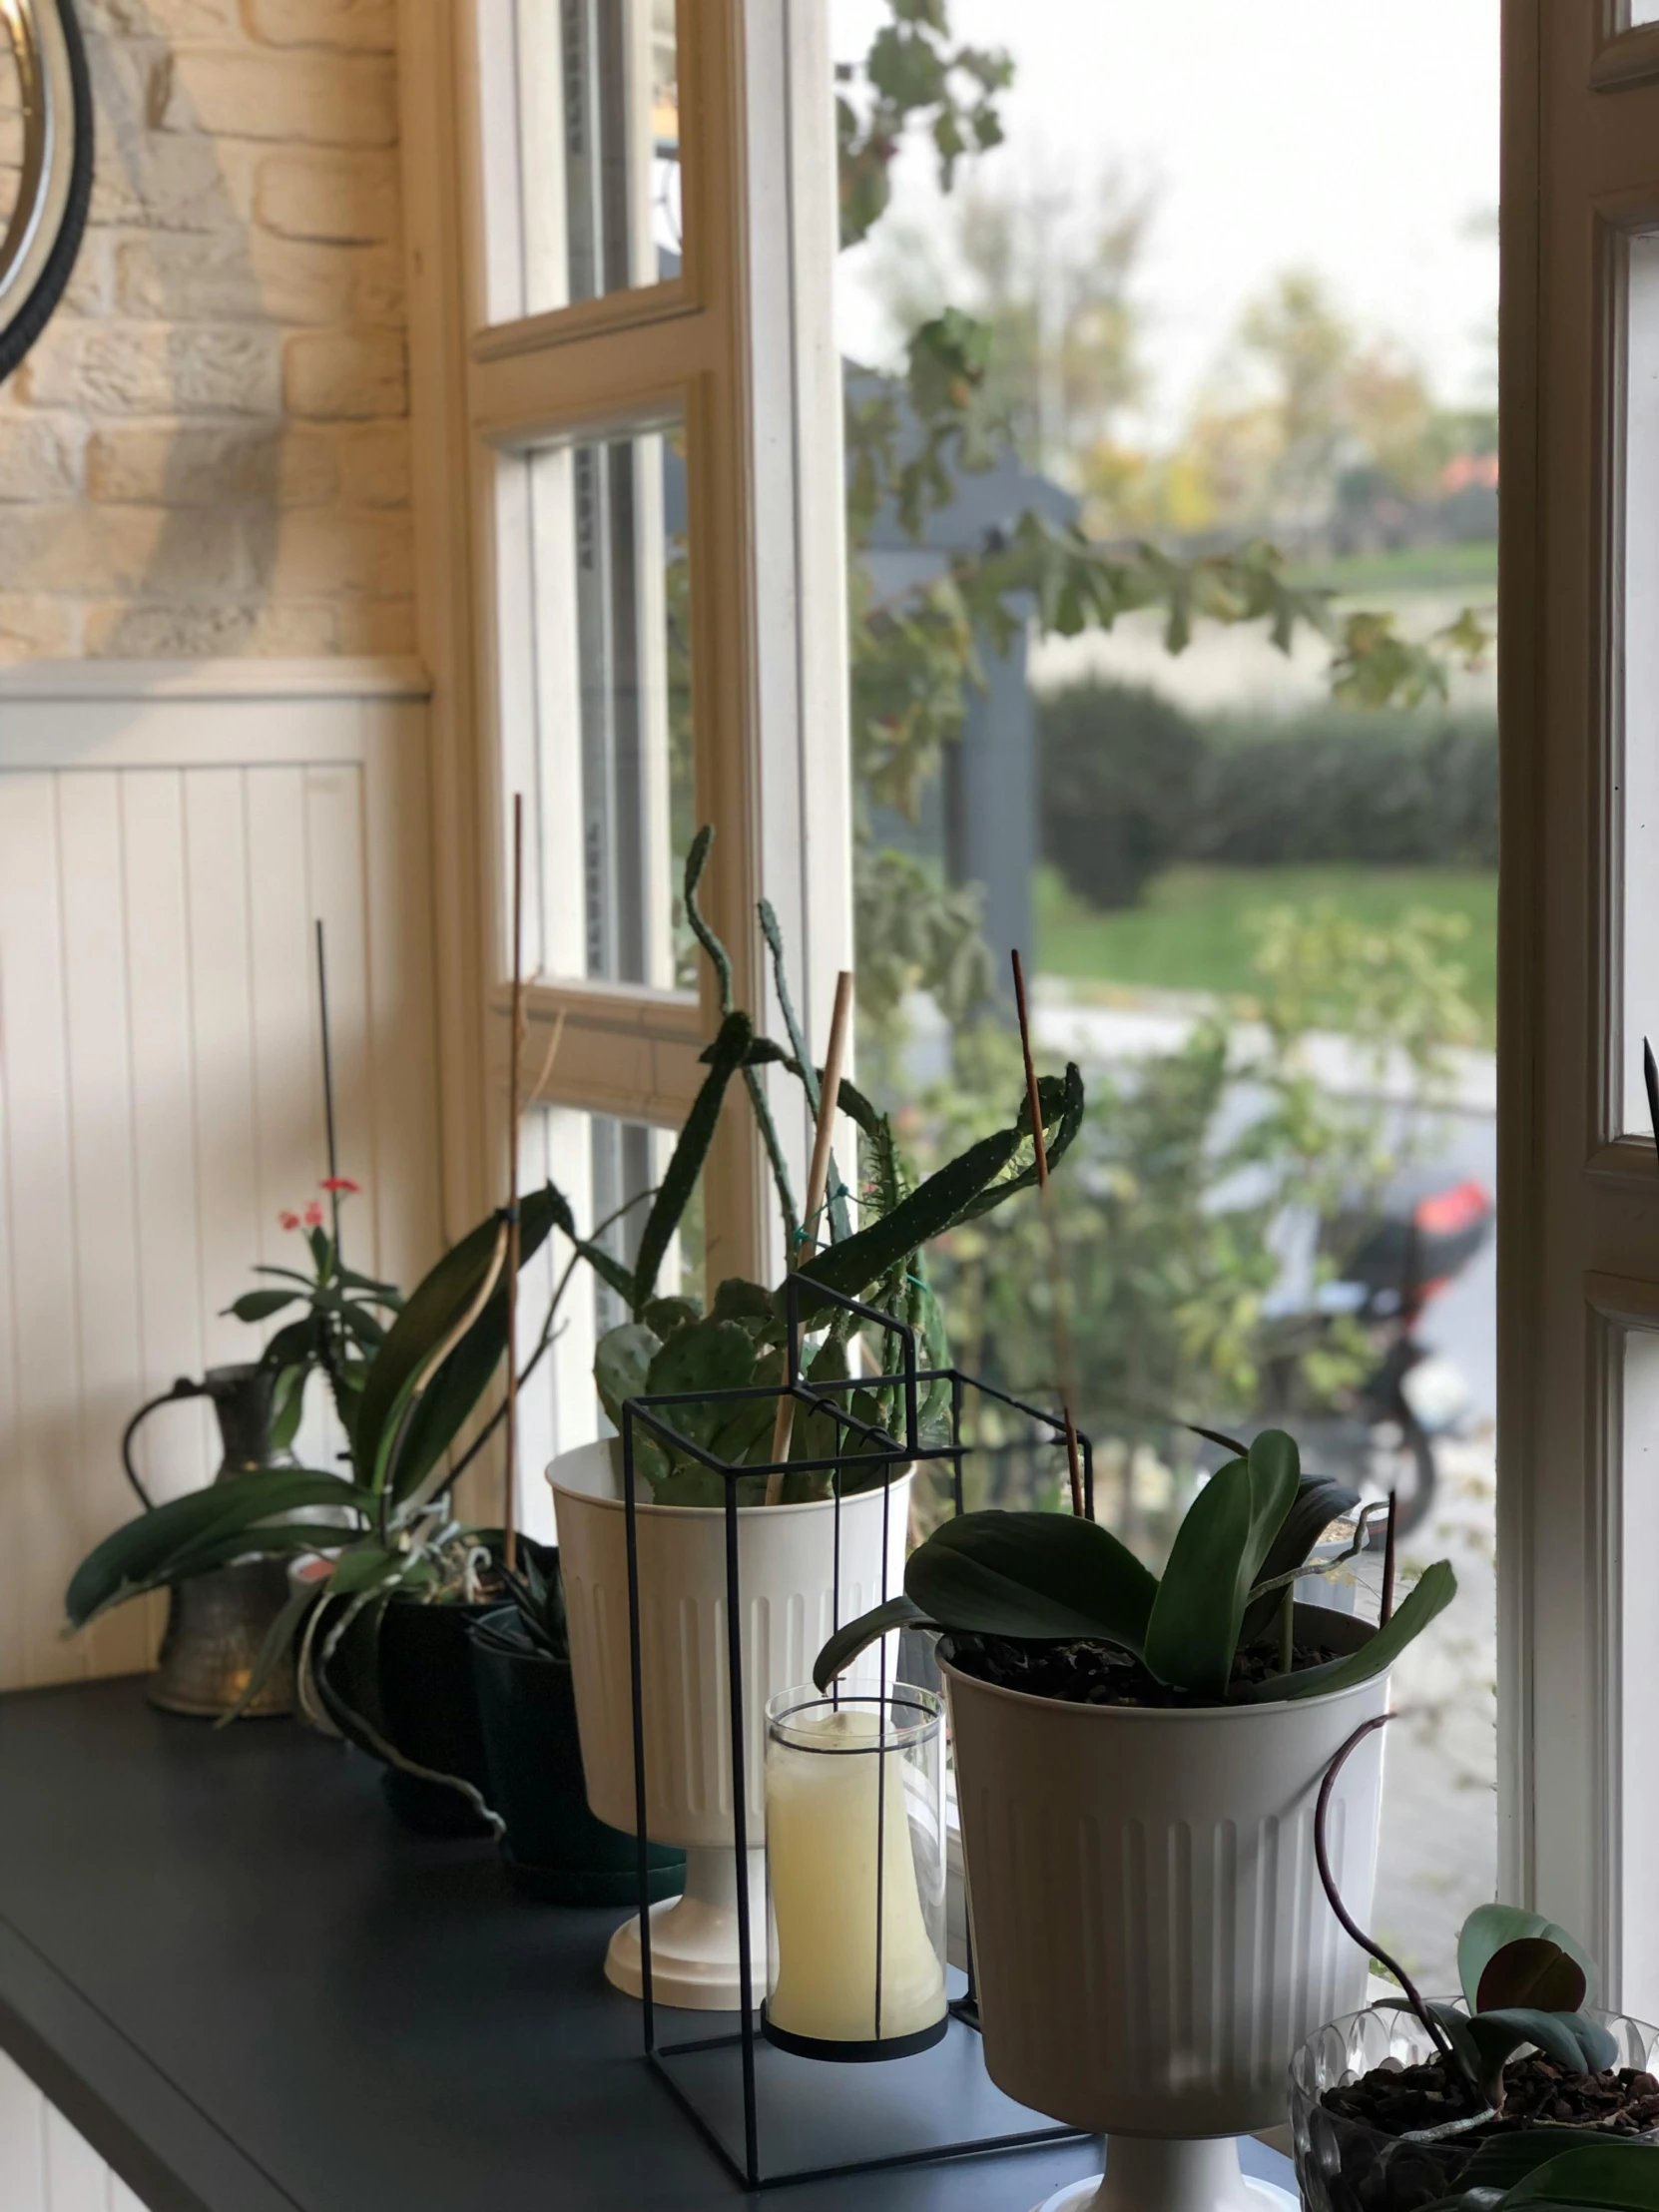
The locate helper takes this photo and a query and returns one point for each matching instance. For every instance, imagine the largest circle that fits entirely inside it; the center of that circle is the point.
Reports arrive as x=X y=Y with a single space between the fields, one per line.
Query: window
x=630 y=376
x=638 y=469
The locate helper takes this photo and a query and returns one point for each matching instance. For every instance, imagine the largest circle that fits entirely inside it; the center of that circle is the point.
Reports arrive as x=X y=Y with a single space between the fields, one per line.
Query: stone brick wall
x=207 y=450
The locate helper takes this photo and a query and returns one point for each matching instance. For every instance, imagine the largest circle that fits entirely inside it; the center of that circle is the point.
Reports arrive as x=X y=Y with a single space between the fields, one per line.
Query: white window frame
x=741 y=346
x=1580 y=1232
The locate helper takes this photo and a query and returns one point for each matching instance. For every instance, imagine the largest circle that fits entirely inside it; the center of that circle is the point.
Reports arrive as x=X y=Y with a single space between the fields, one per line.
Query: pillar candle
x=822 y=1821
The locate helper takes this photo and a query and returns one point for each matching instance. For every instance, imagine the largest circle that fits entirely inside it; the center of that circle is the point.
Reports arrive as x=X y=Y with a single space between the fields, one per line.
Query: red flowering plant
x=341 y=1327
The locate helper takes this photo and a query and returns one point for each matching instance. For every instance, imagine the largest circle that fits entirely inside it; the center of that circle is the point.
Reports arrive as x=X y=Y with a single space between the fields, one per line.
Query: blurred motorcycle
x=1381 y=1269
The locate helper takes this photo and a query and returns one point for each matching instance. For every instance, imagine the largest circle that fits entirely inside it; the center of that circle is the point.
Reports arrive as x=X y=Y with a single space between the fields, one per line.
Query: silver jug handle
x=48 y=220
x=184 y=1387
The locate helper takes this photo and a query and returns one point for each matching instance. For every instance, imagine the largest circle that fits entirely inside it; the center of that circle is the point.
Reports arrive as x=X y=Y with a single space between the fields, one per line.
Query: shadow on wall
x=222 y=393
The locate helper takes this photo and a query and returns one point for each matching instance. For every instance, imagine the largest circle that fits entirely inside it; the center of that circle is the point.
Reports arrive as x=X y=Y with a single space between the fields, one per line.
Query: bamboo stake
x=1062 y=1325
x=818 y=1182
x=1385 y=1612
x=509 y=1520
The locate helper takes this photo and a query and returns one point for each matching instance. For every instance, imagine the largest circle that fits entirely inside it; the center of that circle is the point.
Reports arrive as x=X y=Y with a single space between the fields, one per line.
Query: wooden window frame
x=1578 y=1254
x=741 y=345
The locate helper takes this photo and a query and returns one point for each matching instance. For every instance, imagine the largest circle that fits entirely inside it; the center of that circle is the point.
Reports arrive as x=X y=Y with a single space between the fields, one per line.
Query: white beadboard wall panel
x=168 y=840
x=23 y=2113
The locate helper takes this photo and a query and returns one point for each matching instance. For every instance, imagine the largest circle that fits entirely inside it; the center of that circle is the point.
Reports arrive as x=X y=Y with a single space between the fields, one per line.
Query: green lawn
x=1411 y=568
x=1194 y=930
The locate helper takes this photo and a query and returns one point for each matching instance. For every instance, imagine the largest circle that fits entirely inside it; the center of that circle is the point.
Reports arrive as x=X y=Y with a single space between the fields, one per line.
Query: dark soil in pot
x=1103 y=1674
x=429 y=1709
x=1381 y=2173
x=555 y=1848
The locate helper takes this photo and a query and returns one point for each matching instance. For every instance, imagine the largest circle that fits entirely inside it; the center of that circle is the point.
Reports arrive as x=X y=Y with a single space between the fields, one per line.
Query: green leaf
x=1194 y=1629
x=1620 y=2178
x=695 y=1136
x=1318 y=1502
x=1486 y=1930
x=1504 y=2161
x=1581 y=2045
x=1062 y=1102
x=436 y=1304
x=173 y=1540
x=365 y=1567
x=666 y=1314
x=452 y=1394
x=260 y=1304
x=711 y=1355
x=288 y=1404
x=1434 y=1592
x=622 y=1365
x=1042 y=1576
x=856 y=1636
x=1531 y=1971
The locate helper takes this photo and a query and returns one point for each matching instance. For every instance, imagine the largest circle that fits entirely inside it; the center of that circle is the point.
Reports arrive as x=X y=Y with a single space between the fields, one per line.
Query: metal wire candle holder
x=705 y=2093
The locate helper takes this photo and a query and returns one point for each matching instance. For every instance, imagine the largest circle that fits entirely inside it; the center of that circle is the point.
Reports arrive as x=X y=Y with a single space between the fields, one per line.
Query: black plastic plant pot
x=554 y=1847
x=429 y=1711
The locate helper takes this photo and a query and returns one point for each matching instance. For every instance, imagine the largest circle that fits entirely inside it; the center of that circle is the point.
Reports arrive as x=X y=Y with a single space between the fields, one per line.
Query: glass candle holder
x=856 y=1872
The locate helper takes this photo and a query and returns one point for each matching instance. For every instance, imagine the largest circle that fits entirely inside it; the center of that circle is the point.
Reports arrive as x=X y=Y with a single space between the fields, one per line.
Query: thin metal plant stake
x=817 y=1183
x=1386 y=1608
x=509 y=1479
x=1062 y=1328
x=327 y=1085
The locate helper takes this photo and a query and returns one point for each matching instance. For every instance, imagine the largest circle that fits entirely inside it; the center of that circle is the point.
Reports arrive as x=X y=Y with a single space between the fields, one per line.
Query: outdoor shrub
x=1379 y=790
x=1119 y=765
x=1132 y=785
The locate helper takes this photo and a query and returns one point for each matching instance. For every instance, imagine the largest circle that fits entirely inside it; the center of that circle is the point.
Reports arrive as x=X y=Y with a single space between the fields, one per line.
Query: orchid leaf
x=1430 y=1595
x=1489 y=1927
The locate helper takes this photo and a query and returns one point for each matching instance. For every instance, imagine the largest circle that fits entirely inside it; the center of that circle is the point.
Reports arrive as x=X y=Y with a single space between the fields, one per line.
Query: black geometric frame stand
x=816 y=2106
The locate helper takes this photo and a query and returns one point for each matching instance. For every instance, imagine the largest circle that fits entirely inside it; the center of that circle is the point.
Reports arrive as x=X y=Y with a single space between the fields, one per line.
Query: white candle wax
x=822 y=1828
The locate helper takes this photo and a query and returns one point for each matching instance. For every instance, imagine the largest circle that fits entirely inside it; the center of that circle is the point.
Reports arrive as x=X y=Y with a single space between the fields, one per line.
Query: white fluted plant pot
x=787 y=1577
x=1151 y=1940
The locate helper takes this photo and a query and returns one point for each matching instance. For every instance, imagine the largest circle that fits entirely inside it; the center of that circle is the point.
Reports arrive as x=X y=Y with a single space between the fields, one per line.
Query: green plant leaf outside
x=1490 y=1926
x=1432 y=1592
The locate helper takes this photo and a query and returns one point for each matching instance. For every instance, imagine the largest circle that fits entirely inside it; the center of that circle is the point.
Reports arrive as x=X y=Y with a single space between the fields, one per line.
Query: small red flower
x=339 y=1183
x=288 y=1221
x=314 y=1215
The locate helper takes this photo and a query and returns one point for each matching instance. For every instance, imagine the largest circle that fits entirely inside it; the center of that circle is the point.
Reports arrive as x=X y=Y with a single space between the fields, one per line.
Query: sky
x=1356 y=137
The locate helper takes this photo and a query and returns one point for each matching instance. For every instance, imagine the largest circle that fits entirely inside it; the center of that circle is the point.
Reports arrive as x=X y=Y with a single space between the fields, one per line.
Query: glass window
x=607 y=1169
x=1090 y=305
x=1637 y=1537
x=1638 y=646
x=596 y=701
x=581 y=145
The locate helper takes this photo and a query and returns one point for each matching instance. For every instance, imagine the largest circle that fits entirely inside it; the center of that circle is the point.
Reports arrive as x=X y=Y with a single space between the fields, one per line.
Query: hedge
x=1131 y=783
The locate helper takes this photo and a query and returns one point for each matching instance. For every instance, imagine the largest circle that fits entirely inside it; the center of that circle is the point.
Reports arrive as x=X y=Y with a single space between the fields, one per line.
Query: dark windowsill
x=252 y=1991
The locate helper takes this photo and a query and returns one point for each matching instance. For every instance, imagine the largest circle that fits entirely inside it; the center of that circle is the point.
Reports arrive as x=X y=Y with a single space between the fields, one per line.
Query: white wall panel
x=169 y=837
x=168 y=840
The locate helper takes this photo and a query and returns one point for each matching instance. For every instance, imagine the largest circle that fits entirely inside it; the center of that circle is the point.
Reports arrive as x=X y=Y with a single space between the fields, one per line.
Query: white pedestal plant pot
x=787 y=1575
x=1151 y=1939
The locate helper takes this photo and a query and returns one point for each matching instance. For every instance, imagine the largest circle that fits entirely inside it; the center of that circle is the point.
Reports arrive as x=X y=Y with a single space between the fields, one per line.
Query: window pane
x=1261 y=916
x=605 y=1168
x=581 y=150
x=1640 y=647
x=596 y=701
x=1639 y=1536
x=1641 y=11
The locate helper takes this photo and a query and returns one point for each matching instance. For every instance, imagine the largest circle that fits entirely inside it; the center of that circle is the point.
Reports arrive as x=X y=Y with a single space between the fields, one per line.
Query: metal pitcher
x=216 y=1622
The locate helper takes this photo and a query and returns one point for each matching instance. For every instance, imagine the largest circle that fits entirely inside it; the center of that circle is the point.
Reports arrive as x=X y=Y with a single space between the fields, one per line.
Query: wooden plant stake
x=1062 y=1327
x=1385 y=1609
x=818 y=1182
x=509 y=1516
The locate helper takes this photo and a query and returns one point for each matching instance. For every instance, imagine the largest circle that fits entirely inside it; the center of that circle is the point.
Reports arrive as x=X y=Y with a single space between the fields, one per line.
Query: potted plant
x=1415 y=2102
x=787 y=1548
x=1137 y=1761
x=554 y=1847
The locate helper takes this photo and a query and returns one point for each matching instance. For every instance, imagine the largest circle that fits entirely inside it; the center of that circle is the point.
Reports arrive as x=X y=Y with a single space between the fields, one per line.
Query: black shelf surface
x=252 y=1991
